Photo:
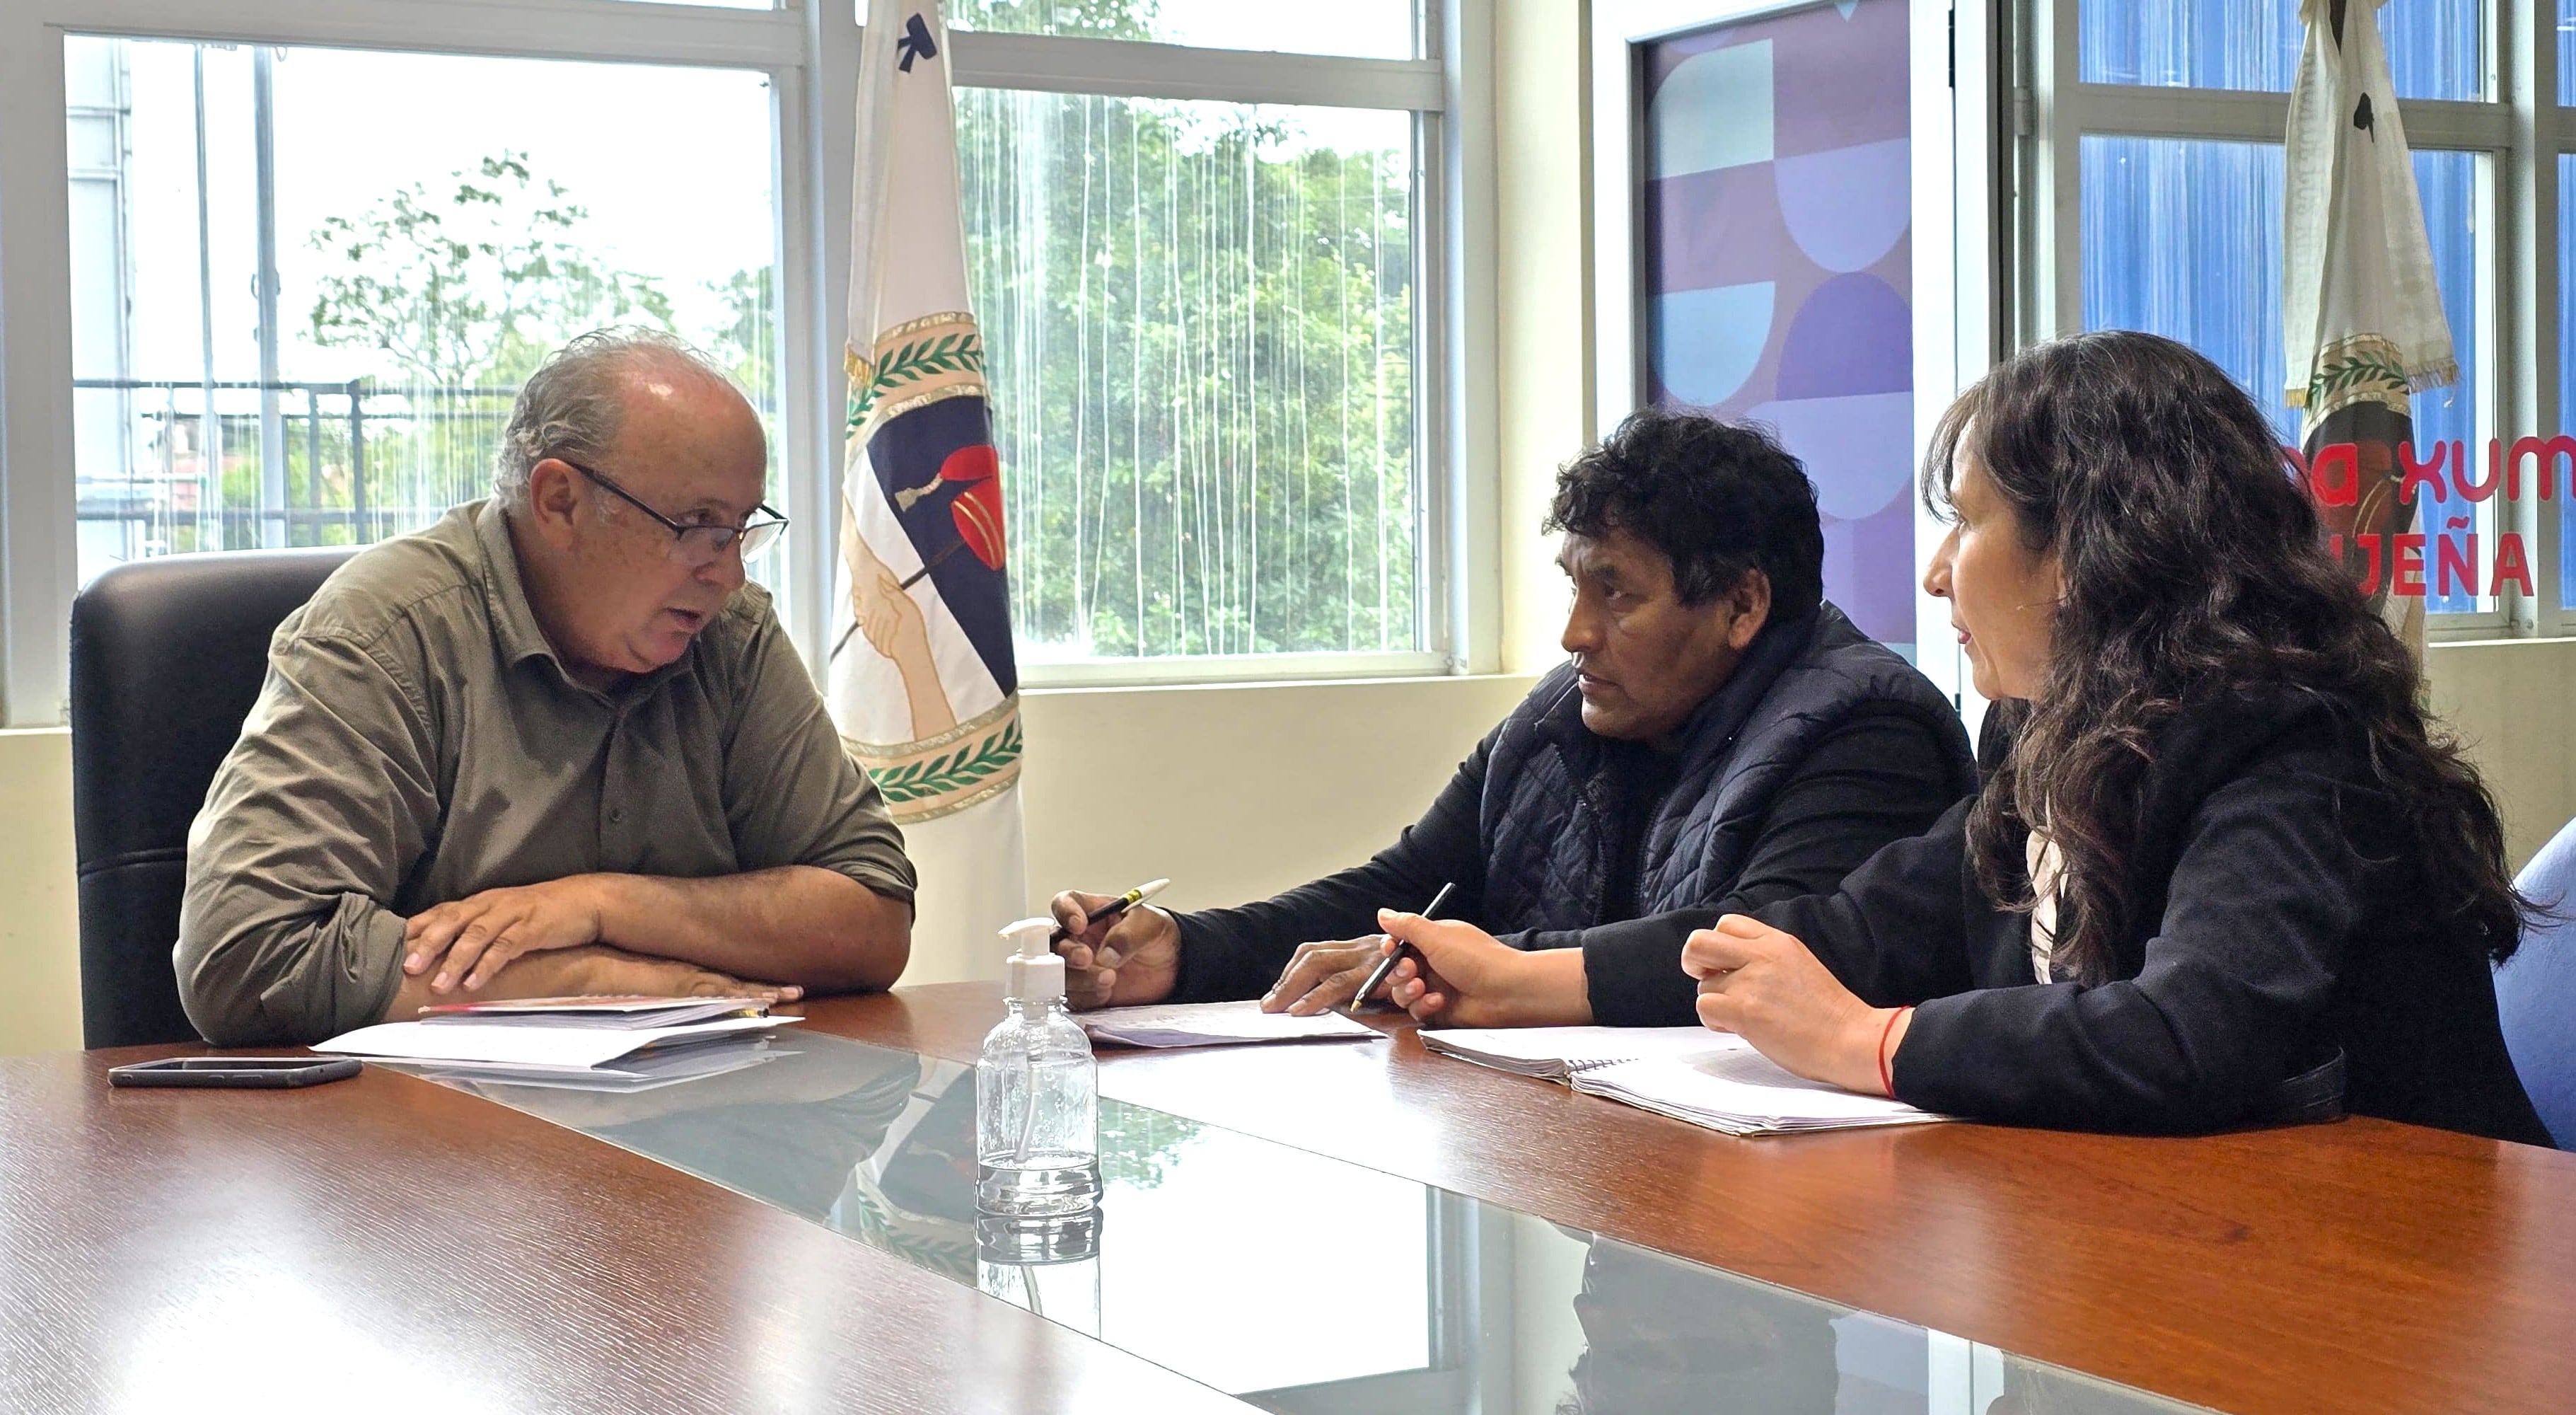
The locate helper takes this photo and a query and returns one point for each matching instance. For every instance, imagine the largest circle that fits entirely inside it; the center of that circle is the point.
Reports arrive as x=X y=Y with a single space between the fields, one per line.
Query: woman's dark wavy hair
x=2192 y=563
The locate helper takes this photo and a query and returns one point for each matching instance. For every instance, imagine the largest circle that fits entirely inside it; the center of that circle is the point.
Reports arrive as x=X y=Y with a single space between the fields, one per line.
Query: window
x=2173 y=127
x=2183 y=238
x=1212 y=245
x=1204 y=325
x=2435 y=48
x=2566 y=351
x=290 y=330
x=1199 y=322
x=1376 y=29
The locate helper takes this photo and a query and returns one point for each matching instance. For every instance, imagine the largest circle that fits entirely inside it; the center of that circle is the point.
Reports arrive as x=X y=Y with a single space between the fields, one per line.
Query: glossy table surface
x=385 y=1244
x=1298 y=1282
x=1342 y=1226
x=2359 y=1266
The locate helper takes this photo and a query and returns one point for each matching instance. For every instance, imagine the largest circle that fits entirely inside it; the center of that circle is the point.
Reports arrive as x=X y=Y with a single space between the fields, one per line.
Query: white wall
x=1543 y=257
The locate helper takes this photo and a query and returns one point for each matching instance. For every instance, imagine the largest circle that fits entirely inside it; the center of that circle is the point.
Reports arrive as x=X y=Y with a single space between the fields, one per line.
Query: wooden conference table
x=393 y=1243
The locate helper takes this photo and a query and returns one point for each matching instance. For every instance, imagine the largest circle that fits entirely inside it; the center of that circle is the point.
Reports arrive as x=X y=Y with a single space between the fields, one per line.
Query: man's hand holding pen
x=1128 y=959
x=1324 y=975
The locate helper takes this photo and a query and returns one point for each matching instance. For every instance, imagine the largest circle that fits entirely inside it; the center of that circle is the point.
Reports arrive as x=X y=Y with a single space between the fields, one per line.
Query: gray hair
x=572 y=405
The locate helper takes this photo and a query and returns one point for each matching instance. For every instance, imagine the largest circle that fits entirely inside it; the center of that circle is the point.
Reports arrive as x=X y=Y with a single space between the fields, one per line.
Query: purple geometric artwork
x=1776 y=281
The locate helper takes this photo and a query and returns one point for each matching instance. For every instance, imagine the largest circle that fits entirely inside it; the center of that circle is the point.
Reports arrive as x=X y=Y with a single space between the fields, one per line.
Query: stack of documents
x=629 y=1038
x=1216 y=1024
x=1713 y=1079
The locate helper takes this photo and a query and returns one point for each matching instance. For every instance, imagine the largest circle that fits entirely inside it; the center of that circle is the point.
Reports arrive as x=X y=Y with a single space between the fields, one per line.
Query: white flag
x=2362 y=321
x=922 y=680
x=2361 y=312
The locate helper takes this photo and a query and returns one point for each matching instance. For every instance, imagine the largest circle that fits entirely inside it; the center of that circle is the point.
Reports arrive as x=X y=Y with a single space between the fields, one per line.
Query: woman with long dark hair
x=2226 y=873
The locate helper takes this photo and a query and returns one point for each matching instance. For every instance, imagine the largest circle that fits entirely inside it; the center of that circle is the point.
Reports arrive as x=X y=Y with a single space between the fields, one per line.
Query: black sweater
x=2280 y=923
x=1879 y=777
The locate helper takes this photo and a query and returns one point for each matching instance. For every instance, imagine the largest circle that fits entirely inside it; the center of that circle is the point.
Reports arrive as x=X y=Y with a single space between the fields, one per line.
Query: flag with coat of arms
x=922 y=681
x=2362 y=321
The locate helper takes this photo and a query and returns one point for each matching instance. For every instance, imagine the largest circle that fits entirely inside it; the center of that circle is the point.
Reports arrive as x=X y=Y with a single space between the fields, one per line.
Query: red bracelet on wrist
x=1887 y=1079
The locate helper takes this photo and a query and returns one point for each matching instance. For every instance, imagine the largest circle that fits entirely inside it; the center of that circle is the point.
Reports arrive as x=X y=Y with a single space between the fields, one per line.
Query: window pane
x=1199 y=323
x=2434 y=48
x=1369 y=29
x=2566 y=359
x=2567 y=51
x=423 y=268
x=2448 y=183
x=2182 y=237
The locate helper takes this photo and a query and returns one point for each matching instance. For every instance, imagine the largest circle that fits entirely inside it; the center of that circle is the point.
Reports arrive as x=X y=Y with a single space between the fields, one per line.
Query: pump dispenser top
x=1036 y=973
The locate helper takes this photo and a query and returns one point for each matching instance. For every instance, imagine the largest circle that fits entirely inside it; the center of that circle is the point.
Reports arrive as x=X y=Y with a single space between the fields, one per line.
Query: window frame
x=2520 y=129
x=809 y=49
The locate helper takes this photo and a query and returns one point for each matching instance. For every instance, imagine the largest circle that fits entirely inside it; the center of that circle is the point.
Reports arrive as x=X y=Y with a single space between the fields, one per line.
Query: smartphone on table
x=257 y=1072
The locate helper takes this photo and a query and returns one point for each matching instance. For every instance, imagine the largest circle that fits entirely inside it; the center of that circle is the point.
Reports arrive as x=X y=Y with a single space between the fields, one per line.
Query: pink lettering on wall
x=2442 y=478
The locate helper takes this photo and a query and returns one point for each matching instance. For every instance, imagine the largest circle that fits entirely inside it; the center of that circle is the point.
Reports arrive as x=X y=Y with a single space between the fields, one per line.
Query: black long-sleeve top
x=1878 y=777
x=2279 y=926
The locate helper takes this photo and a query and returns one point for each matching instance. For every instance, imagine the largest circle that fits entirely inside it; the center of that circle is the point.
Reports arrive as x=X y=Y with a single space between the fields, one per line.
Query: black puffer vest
x=1546 y=817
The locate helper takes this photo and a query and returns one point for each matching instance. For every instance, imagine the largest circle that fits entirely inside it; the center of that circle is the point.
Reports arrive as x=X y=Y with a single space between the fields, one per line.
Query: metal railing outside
x=362 y=460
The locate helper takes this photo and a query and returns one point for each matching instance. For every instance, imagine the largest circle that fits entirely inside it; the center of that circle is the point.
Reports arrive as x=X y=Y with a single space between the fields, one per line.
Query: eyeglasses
x=698 y=545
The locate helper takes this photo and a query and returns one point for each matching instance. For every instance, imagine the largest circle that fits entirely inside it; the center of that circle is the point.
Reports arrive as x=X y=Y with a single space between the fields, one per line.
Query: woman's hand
x=1766 y=987
x=1477 y=980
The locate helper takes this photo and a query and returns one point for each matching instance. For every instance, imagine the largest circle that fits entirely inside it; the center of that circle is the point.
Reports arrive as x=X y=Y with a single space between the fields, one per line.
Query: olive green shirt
x=417 y=741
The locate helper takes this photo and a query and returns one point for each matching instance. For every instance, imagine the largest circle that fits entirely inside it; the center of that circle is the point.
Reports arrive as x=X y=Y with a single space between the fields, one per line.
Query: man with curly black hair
x=1720 y=736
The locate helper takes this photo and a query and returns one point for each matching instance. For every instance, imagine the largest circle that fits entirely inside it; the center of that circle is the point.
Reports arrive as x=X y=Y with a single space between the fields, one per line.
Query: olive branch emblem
x=938 y=776
x=915 y=361
x=2353 y=371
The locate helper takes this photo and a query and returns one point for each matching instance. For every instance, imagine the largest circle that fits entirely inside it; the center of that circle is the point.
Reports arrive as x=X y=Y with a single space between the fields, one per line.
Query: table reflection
x=1658 y=1336
x=1298 y=1282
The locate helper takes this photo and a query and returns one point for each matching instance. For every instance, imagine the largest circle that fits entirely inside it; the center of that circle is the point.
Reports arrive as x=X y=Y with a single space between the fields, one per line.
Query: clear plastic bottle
x=1037 y=1093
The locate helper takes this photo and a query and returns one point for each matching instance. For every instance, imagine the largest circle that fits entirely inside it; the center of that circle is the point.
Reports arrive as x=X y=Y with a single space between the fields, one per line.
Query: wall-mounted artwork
x=1772 y=205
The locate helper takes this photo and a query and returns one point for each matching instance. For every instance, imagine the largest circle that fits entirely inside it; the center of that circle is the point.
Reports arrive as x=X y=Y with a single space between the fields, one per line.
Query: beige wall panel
x=2513 y=702
x=39 y=917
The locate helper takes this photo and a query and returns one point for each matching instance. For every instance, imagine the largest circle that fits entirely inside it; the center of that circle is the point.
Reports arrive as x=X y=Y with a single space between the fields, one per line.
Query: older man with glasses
x=553 y=744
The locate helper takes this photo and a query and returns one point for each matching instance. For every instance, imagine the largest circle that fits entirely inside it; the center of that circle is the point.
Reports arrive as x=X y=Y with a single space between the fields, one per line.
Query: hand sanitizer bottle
x=1037 y=1092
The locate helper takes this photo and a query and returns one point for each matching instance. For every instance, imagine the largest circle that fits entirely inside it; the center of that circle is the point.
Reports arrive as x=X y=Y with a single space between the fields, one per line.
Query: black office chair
x=167 y=658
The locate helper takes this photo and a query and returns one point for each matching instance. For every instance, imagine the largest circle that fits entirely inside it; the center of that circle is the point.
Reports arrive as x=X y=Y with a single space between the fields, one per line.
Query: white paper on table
x=624 y=1076
x=1207 y=1024
x=1555 y=1053
x=529 y=1046
x=1743 y=1092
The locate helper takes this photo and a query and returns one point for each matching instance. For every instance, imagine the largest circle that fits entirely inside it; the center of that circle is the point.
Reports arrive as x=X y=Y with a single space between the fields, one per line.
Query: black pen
x=1119 y=905
x=1387 y=964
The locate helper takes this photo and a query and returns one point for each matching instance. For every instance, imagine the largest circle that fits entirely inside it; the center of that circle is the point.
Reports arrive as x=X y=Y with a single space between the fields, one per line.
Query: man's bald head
x=578 y=401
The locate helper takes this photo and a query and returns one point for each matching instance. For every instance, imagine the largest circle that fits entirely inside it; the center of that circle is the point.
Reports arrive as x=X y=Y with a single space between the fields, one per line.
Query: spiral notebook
x=1711 y=1079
